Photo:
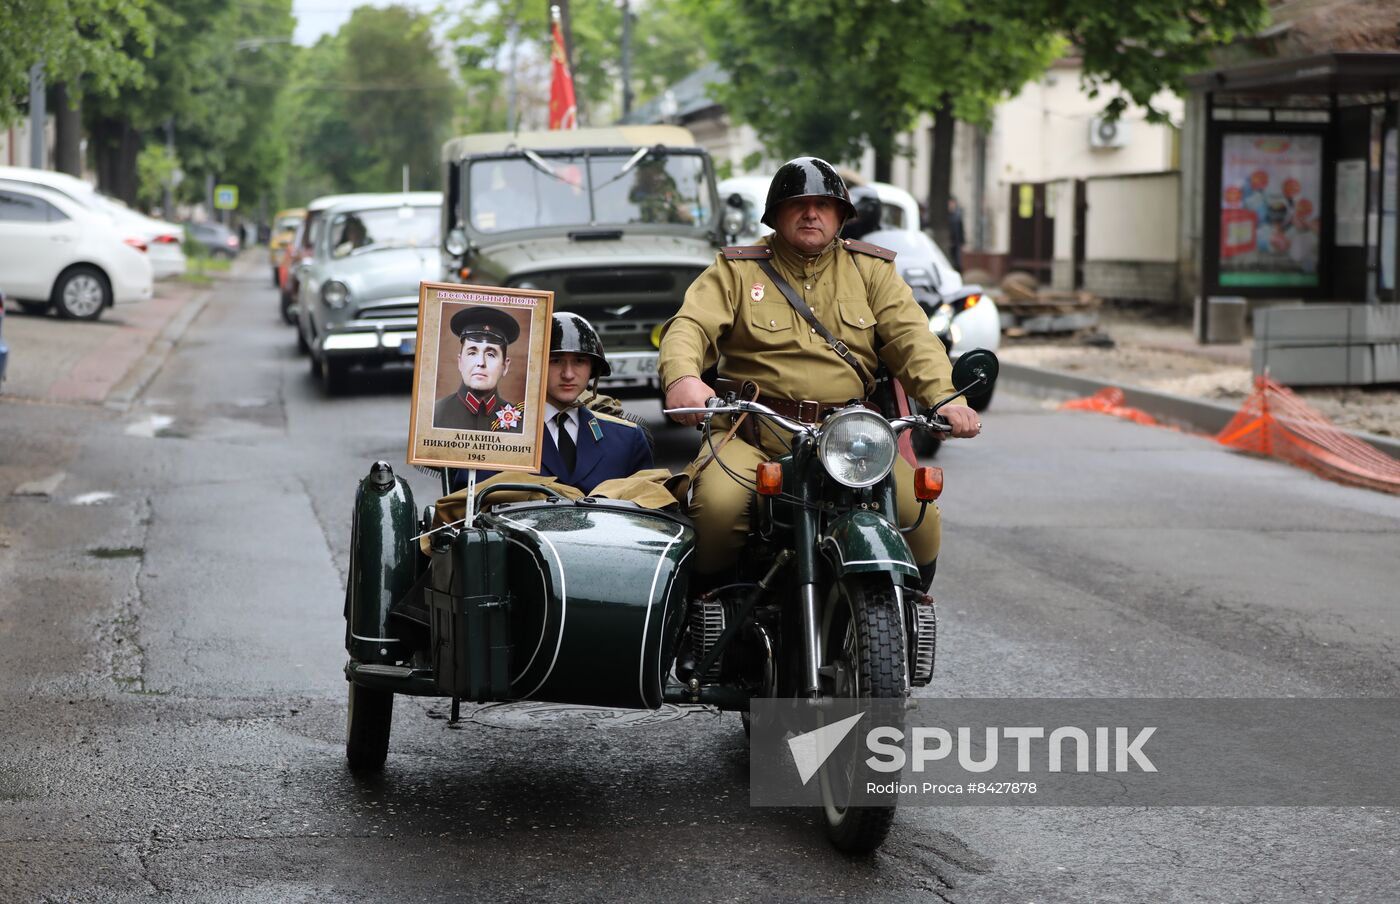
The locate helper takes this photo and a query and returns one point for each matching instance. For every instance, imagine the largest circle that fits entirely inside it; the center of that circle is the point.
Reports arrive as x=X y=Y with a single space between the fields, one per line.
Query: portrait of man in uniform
x=480 y=375
x=482 y=360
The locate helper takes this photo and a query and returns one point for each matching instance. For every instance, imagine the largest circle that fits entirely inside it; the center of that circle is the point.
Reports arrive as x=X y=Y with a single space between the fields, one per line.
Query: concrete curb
x=144 y=371
x=1193 y=414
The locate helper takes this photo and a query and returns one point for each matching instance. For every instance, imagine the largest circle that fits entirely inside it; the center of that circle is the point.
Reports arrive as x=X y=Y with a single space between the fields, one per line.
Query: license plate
x=407 y=346
x=633 y=364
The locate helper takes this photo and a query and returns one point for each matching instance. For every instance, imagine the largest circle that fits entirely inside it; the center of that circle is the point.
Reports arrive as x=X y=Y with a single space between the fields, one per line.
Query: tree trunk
x=68 y=133
x=884 y=164
x=940 y=173
x=115 y=146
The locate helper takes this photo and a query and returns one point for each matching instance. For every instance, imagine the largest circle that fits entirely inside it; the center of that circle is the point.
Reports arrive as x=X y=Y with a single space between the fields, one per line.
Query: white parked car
x=57 y=252
x=163 y=240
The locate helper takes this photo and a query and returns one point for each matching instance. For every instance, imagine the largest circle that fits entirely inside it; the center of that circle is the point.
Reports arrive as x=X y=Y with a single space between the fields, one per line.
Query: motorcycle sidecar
x=557 y=600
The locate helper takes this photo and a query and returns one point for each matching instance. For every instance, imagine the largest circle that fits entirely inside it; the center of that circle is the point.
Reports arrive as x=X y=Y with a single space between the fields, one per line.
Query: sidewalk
x=1165 y=358
x=84 y=362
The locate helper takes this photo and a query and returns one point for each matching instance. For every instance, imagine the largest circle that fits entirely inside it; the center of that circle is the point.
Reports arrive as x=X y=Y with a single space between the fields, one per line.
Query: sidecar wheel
x=863 y=642
x=371 y=714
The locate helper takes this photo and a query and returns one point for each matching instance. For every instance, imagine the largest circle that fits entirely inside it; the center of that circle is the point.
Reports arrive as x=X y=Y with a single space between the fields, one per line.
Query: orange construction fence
x=1275 y=422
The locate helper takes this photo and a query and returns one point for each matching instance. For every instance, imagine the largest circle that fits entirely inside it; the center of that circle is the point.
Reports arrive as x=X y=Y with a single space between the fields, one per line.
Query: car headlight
x=941 y=319
x=335 y=293
x=456 y=243
x=857 y=447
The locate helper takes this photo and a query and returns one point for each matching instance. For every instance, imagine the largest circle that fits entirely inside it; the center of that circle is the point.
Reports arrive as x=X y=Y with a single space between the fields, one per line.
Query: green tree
x=831 y=77
x=399 y=98
x=104 y=42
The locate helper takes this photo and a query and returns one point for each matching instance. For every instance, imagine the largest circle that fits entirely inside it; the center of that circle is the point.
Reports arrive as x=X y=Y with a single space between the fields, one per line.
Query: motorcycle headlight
x=941 y=319
x=857 y=447
x=334 y=293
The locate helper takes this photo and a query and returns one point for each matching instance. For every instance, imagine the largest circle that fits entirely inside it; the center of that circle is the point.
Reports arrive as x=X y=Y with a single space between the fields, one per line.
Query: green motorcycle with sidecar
x=586 y=601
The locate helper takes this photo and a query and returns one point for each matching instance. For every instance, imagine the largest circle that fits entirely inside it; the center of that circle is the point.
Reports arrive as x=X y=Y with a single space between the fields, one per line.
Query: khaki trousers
x=719 y=507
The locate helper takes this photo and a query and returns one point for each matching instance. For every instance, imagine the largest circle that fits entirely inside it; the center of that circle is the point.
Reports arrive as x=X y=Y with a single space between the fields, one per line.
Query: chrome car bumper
x=383 y=340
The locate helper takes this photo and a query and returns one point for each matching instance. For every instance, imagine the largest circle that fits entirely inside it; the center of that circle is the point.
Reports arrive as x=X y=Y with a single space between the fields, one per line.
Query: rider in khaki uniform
x=733 y=316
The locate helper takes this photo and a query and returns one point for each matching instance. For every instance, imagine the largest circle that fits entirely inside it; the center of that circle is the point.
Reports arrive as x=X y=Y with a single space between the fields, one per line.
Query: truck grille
x=620 y=282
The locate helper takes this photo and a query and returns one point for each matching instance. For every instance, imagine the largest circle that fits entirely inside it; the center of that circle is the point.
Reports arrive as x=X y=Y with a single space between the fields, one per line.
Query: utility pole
x=37 y=115
x=512 y=91
x=626 y=57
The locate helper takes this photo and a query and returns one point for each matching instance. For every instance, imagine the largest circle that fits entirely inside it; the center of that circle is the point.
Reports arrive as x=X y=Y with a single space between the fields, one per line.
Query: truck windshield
x=588 y=190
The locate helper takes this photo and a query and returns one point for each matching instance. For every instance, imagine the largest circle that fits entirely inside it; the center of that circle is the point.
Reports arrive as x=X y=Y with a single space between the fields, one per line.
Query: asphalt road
x=173 y=706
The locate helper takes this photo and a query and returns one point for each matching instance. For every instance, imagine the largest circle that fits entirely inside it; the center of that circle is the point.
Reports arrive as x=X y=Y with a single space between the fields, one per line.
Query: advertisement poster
x=479 y=377
x=1270 y=210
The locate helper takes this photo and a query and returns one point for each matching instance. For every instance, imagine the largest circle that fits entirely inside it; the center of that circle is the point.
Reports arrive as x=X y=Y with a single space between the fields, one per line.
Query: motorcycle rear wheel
x=367 y=725
x=863 y=642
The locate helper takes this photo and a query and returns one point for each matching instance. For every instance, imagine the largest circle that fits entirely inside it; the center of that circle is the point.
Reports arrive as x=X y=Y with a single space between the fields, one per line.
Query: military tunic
x=455 y=412
x=734 y=317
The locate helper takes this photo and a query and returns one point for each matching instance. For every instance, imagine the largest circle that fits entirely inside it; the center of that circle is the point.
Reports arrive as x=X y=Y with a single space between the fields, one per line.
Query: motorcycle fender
x=384 y=562
x=862 y=541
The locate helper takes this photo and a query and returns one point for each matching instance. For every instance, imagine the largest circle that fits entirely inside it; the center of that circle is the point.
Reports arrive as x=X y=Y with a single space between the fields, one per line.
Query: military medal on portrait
x=479 y=377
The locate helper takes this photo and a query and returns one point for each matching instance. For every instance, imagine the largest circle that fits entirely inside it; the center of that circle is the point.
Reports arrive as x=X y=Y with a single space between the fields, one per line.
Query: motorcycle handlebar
x=715 y=405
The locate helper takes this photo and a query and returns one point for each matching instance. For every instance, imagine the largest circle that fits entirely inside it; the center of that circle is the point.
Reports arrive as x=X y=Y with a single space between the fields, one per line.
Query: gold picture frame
x=479 y=377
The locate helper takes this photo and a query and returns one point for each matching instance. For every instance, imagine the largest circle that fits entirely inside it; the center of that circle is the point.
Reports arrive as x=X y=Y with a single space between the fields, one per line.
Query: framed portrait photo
x=479 y=377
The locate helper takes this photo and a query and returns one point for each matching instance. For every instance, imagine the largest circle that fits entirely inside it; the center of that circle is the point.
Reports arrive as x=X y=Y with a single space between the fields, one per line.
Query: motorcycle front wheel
x=863 y=647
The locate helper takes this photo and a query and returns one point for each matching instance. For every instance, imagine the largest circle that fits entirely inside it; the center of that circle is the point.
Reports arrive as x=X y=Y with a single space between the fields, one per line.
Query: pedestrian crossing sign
x=226 y=197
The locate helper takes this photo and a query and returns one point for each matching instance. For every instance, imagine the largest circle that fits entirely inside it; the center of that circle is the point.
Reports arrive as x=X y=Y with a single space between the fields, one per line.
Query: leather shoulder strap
x=808 y=315
x=746 y=252
x=856 y=247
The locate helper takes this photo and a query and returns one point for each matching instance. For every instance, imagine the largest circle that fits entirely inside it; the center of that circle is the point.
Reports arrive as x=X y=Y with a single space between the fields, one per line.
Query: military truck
x=616 y=222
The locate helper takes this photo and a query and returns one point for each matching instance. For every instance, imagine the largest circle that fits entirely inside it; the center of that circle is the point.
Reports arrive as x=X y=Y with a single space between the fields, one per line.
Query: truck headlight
x=857 y=447
x=335 y=293
x=456 y=243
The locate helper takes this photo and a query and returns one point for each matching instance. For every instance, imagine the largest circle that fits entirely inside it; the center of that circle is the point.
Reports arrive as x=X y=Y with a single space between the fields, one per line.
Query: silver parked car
x=358 y=294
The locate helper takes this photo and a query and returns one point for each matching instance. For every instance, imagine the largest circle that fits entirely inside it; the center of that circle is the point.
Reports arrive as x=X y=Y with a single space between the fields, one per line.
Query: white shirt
x=570 y=423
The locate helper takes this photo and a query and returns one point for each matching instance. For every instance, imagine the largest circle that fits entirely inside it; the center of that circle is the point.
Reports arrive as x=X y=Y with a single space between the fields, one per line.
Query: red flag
x=563 y=112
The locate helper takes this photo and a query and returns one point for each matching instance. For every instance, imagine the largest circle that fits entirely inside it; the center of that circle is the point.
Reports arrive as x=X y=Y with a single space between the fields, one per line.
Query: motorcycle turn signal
x=769 y=480
x=928 y=483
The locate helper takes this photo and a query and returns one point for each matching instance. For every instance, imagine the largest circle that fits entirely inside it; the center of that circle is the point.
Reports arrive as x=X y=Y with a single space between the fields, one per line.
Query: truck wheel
x=81 y=293
x=863 y=645
x=367 y=725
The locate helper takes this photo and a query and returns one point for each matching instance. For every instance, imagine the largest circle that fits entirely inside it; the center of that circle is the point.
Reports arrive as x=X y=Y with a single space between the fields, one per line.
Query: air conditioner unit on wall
x=1105 y=133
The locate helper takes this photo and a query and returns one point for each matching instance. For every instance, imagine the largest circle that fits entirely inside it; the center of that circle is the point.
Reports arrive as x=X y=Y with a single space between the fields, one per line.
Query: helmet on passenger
x=866 y=201
x=571 y=333
x=806 y=177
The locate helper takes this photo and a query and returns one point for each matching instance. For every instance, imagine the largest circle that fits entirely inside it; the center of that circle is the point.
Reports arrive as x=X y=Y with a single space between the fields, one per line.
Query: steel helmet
x=571 y=333
x=806 y=177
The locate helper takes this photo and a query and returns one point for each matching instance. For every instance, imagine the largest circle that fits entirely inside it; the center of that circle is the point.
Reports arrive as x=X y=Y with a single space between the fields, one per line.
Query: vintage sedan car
x=358 y=303
x=284 y=230
x=616 y=222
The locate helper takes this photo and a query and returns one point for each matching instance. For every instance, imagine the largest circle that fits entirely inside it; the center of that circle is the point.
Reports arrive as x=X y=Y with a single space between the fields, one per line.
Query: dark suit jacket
x=608 y=447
